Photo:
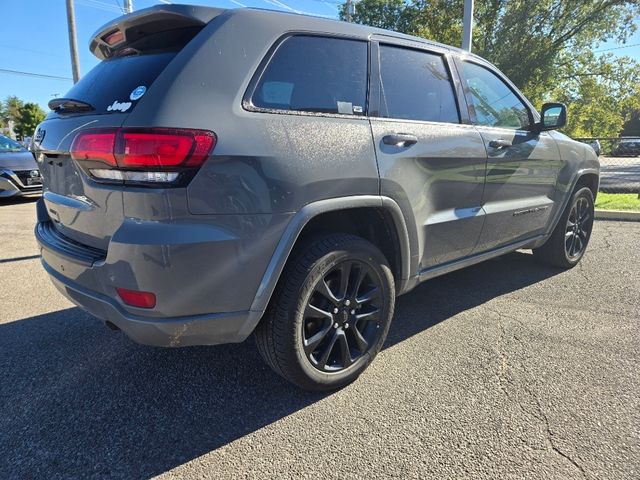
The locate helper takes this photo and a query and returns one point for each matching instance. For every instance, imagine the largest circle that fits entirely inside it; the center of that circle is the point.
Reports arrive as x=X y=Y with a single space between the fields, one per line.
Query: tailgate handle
x=400 y=139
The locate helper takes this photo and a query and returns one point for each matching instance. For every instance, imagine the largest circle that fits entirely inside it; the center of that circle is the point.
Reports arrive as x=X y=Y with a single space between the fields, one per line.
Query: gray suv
x=228 y=172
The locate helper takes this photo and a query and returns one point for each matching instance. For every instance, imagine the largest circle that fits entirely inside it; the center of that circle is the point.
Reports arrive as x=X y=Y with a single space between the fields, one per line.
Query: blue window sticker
x=138 y=92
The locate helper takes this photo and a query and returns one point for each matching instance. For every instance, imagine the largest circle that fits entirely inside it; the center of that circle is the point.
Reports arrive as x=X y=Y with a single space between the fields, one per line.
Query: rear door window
x=415 y=85
x=109 y=86
x=315 y=74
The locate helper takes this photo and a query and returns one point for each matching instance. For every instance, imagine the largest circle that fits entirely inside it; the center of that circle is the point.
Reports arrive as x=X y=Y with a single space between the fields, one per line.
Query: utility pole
x=73 y=43
x=128 y=6
x=351 y=9
x=467 y=25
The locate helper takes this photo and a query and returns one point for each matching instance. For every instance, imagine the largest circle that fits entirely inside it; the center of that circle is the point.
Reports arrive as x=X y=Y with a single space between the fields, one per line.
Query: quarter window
x=315 y=74
x=415 y=86
x=494 y=103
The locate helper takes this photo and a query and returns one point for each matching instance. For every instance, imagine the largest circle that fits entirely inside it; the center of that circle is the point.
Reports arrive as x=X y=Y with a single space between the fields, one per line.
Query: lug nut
x=335 y=310
x=347 y=302
x=335 y=325
x=346 y=325
x=353 y=312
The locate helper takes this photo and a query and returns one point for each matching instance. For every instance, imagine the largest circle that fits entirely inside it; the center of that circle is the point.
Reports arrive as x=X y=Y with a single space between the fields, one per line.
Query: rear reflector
x=136 y=298
x=143 y=155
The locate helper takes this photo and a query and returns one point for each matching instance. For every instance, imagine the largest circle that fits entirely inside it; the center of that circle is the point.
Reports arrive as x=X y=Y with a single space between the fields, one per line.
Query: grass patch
x=618 y=201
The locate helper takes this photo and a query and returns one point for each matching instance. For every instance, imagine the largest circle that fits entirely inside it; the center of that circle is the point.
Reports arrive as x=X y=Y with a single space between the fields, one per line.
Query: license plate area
x=34 y=181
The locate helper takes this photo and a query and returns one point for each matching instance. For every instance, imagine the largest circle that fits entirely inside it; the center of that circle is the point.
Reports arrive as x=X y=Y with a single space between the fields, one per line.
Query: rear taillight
x=142 y=155
x=97 y=147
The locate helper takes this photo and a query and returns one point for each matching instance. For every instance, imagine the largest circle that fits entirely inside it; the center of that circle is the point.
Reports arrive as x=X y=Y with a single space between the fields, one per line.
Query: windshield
x=8 y=145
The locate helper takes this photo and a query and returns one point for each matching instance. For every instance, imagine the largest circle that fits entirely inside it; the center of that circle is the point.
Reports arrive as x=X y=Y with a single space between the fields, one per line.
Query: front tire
x=330 y=313
x=569 y=240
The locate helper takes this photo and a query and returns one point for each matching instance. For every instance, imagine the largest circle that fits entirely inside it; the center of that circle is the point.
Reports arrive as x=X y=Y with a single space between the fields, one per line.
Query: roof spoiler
x=128 y=29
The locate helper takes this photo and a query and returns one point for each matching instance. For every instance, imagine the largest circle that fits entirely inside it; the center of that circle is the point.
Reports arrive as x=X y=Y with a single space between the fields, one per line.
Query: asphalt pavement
x=507 y=369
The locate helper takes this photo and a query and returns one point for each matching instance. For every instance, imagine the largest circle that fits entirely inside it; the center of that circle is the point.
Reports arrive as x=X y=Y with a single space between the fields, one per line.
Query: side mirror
x=554 y=116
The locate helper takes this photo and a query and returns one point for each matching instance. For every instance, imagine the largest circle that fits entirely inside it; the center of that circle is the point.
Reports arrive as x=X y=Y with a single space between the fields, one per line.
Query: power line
x=31 y=74
x=280 y=4
x=105 y=7
x=617 y=48
x=38 y=52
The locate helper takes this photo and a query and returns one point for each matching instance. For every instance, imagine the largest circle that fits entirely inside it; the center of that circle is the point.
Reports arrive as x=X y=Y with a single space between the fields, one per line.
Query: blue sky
x=34 y=38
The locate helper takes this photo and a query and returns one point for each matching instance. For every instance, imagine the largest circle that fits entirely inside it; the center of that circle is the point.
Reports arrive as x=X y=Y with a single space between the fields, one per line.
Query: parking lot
x=620 y=174
x=505 y=370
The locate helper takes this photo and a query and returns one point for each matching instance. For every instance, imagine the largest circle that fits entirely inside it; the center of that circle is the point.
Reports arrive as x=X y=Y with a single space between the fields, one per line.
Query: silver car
x=19 y=172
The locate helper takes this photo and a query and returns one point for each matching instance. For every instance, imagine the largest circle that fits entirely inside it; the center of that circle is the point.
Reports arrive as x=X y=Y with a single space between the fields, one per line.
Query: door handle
x=500 y=144
x=400 y=139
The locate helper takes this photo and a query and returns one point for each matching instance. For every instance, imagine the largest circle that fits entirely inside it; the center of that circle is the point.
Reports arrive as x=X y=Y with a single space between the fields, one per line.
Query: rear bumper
x=204 y=284
x=209 y=329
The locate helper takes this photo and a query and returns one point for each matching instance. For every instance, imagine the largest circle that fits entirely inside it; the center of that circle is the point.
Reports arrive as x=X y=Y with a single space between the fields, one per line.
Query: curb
x=617 y=215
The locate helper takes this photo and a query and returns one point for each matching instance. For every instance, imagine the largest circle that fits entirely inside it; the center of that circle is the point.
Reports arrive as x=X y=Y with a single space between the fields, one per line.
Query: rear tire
x=330 y=313
x=569 y=240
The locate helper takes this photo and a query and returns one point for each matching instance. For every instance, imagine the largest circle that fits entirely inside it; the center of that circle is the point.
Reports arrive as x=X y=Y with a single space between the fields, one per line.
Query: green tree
x=543 y=46
x=394 y=15
x=30 y=116
x=601 y=93
x=10 y=110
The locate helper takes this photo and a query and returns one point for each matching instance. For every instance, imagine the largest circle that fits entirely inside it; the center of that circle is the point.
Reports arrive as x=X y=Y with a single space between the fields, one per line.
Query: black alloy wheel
x=578 y=228
x=568 y=242
x=342 y=317
x=330 y=313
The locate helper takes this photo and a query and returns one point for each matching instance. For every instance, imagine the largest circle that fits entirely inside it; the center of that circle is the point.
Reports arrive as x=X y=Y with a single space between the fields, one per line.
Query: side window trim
x=376 y=70
x=461 y=99
x=469 y=101
x=247 y=102
x=375 y=80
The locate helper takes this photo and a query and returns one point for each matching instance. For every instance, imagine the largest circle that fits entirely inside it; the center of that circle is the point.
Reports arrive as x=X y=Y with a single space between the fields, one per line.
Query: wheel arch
x=588 y=179
x=318 y=216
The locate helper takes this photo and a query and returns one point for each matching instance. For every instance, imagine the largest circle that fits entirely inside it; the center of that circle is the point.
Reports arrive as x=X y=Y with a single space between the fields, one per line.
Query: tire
x=314 y=309
x=569 y=240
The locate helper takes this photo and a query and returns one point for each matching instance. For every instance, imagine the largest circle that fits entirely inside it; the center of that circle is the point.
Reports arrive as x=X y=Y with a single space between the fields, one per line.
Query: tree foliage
x=601 y=94
x=544 y=46
x=30 y=116
x=10 y=109
x=24 y=116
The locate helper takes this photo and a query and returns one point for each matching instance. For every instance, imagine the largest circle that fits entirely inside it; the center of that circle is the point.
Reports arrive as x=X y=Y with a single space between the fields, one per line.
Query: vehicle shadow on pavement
x=78 y=400
x=443 y=297
x=18 y=200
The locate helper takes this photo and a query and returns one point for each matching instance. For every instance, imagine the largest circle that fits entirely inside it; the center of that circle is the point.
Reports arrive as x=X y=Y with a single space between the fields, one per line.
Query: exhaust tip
x=111 y=325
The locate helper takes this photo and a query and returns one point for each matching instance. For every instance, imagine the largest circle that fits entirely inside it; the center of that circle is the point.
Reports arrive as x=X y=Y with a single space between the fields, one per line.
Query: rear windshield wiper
x=64 y=105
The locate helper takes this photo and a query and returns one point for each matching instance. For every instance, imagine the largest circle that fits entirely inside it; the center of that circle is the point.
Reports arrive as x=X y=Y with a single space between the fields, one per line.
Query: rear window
x=315 y=74
x=109 y=87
